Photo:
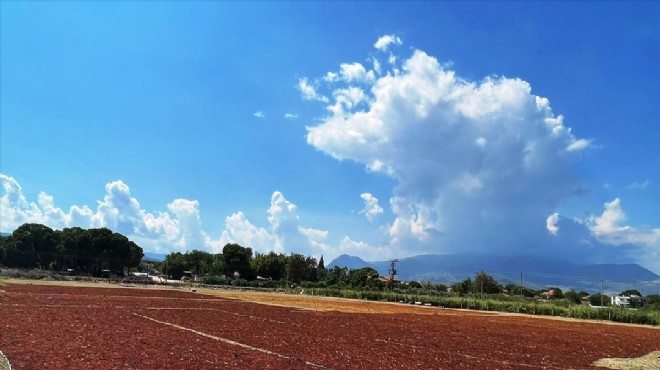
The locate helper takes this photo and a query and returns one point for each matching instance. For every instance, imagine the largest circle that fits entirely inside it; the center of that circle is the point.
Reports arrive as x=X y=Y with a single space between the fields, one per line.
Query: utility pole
x=521 y=284
x=601 y=292
x=393 y=272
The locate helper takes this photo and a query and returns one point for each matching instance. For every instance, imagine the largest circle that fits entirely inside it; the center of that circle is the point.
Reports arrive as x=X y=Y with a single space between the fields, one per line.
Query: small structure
x=549 y=294
x=626 y=301
x=387 y=279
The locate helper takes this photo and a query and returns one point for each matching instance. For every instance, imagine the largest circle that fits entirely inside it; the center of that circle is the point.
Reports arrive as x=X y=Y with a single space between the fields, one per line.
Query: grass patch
x=650 y=361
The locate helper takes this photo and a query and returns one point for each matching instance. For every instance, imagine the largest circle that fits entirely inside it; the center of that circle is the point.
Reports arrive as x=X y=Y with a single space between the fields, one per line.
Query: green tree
x=337 y=276
x=595 y=299
x=218 y=265
x=321 y=264
x=32 y=245
x=199 y=262
x=486 y=283
x=300 y=268
x=270 y=265
x=573 y=296
x=363 y=277
x=630 y=292
x=237 y=259
x=463 y=287
x=3 y=240
x=174 y=265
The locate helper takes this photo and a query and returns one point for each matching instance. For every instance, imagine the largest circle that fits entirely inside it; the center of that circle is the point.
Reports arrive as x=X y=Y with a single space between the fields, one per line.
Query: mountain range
x=537 y=272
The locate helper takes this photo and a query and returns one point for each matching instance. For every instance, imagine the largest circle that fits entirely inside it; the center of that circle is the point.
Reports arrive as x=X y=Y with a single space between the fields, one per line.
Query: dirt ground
x=51 y=326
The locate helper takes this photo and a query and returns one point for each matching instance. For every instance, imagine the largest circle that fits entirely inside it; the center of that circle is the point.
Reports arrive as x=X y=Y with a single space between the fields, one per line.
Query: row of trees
x=237 y=261
x=240 y=262
x=82 y=250
x=486 y=284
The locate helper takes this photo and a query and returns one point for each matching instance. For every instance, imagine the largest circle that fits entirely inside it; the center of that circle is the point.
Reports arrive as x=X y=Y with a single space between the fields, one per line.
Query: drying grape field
x=56 y=327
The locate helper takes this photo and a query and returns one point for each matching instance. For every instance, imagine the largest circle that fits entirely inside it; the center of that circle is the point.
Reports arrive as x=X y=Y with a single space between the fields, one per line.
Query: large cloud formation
x=479 y=165
x=178 y=229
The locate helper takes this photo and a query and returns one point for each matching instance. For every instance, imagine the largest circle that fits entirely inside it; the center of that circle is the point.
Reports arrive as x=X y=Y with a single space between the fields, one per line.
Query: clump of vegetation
x=73 y=250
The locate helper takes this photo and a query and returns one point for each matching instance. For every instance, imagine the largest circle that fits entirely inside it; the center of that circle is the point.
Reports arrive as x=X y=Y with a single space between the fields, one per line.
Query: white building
x=625 y=301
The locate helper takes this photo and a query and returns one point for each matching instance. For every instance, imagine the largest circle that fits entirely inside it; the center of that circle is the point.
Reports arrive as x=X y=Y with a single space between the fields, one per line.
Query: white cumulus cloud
x=371 y=208
x=290 y=116
x=118 y=211
x=578 y=145
x=384 y=42
x=610 y=228
x=259 y=114
x=177 y=229
x=551 y=223
x=355 y=72
x=479 y=164
x=308 y=91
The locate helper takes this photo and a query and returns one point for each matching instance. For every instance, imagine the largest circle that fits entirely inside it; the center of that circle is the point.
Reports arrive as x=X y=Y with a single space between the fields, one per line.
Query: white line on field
x=229 y=341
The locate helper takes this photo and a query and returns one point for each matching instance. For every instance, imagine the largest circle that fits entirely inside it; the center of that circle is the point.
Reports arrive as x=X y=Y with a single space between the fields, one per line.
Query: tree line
x=237 y=262
x=87 y=251
x=484 y=284
x=240 y=263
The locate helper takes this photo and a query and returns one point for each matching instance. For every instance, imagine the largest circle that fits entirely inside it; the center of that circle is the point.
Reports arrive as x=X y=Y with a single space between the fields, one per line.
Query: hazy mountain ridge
x=538 y=272
x=153 y=257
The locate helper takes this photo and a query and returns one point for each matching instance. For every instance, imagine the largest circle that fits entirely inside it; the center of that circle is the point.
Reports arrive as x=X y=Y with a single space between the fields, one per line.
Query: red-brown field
x=46 y=327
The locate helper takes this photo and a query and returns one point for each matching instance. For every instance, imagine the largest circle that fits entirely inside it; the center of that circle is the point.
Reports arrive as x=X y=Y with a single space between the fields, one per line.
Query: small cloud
x=259 y=114
x=355 y=72
x=290 y=116
x=384 y=42
x=639 y=185
x=578 y=145
x=377 y=66
x=331 y=77
x=391 y=59
x=607 y=185
x=551 y=223
x=309 y=92
x=371 y=208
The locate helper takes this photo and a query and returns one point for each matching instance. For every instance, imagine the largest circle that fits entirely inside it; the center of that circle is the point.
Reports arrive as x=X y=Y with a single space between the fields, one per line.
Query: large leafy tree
x=463 y=287
x=595 y=299
x=573 y=296
x=237 y=259
x=270 y=265
x=32 y=245
x=337 y=276
x=35 y=245
x=174 y=265
x=486 y=283
x=301 y=268
x=364 y=277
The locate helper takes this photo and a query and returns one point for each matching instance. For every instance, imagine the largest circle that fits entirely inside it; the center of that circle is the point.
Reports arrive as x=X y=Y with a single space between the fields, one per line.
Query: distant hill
x=4 y=234
x=351 y=262
x=538 y=272
x=151 y=257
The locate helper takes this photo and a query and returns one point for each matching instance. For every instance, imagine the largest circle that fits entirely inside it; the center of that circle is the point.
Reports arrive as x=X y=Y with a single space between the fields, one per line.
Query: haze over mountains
x=537 y=272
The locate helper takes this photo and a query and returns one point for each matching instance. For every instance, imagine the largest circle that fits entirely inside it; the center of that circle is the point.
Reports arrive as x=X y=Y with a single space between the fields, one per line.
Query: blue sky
x=443 y=127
